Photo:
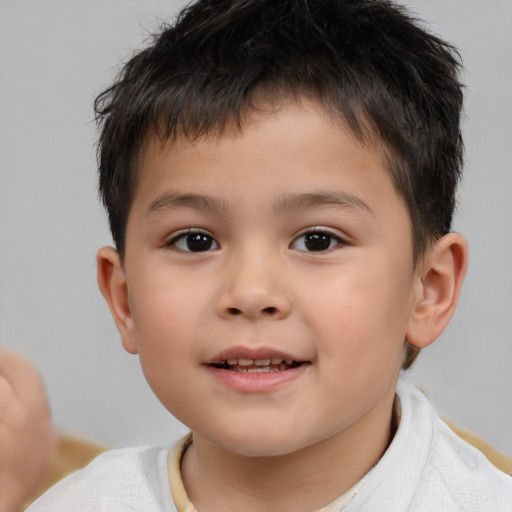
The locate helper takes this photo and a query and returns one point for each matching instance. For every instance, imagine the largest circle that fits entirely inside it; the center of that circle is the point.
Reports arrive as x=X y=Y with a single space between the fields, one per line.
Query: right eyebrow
x=330 y=199
x=172 y=201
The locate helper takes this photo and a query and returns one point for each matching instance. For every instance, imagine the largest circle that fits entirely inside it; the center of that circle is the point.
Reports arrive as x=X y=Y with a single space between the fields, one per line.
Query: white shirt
x=427 y=468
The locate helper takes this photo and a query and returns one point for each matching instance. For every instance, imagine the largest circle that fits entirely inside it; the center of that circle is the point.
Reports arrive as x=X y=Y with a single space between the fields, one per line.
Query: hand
x=26 y=433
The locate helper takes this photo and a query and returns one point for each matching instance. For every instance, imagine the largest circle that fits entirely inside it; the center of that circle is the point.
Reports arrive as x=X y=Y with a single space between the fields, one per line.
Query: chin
x=257 y=443
x=259 y=449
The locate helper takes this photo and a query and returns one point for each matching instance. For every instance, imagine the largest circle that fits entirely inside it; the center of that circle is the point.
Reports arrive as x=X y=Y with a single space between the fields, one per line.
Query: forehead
x=261 y=107
x=235 y=139
x=283 y=150
x=260 y=114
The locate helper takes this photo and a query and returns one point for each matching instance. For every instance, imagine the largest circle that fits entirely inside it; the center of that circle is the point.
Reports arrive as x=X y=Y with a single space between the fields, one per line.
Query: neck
x=218 y=480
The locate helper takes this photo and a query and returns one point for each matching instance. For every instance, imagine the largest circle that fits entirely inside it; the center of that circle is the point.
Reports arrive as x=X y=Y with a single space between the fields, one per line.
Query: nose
x=253 y=287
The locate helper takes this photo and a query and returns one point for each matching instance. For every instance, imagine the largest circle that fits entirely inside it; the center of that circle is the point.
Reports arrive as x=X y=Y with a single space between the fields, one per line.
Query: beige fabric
x=179 y=494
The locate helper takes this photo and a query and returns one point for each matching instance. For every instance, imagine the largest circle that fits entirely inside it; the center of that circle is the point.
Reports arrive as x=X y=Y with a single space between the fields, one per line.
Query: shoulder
x=465 y=474
x=454 y=471
x=116 y=481
x=428 y=468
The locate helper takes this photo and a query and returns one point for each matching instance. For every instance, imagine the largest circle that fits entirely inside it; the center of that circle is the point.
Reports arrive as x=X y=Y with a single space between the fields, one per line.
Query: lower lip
x=256 y=382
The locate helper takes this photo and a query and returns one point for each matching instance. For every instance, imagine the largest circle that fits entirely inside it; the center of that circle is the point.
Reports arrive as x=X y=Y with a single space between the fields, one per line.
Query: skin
x=26 y=433
x=344 y=311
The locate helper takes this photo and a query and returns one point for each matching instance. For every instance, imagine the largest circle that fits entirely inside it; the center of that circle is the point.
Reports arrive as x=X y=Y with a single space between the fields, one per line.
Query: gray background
x=55 y=56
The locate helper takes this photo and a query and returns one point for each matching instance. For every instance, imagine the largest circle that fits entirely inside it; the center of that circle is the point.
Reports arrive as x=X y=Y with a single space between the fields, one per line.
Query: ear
x=439 y=282
x=113 y=286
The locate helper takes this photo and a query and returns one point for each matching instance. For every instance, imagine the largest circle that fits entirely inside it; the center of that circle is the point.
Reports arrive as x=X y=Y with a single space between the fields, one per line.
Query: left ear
x=114 y=288
x=439 y=281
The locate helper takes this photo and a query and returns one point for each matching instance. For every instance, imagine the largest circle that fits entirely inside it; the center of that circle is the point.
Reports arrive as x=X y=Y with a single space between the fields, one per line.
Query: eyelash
x=206 y=243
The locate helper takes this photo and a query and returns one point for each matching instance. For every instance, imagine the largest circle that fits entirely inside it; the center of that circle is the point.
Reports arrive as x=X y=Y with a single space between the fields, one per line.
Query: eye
x=316 y=241
x=194 y=241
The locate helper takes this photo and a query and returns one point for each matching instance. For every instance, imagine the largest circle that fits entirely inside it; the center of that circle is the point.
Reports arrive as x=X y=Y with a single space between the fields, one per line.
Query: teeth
x=261 y=369
x=256 y=362
x=262 y=362
x=257 y=365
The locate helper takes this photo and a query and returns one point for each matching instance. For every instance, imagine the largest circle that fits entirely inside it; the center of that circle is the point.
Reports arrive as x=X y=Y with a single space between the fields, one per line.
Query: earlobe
x=439 y=282
x=113 y=286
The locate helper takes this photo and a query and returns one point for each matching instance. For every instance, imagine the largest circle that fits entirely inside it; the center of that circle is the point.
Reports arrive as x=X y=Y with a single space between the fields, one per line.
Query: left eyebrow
x=173 y=201
x=342 y=200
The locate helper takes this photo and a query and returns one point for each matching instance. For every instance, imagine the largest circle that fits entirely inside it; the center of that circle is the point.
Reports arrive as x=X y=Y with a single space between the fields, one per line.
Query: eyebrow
x=193 y=201
x=288 y=202
x=343 y=200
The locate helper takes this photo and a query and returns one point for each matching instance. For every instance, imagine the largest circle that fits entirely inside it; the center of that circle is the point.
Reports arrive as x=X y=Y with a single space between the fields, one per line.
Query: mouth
x=242 y=365
x=256 y=370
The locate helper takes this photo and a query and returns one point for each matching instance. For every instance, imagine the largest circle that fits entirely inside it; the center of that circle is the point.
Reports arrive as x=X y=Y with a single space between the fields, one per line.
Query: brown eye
x=194 y=242
x=198 y=242
x=316 y=241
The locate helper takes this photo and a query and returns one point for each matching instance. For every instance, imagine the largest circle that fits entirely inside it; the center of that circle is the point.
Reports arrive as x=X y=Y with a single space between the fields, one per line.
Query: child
x=280 y=181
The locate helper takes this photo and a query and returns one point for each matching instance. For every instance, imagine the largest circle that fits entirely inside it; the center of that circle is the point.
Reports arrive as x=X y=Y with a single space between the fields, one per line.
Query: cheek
x=166 y=346
x=359 y=339
x=163 y=302
x=165 y=316
x=360 y=319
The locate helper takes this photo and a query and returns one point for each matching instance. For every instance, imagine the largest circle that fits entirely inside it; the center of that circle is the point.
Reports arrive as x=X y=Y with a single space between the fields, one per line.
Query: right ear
x=113 y=286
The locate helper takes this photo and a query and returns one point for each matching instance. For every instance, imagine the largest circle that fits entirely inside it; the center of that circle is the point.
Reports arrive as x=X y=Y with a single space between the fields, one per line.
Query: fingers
x=26 y=432
x=11 y=415
x=22 y=376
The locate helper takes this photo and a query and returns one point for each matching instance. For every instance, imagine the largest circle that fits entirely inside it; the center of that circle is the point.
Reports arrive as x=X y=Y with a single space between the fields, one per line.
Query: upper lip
x=254 y=353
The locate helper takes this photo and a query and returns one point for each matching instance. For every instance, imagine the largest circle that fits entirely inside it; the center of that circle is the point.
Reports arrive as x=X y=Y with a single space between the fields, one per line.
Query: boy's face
x=284 y=242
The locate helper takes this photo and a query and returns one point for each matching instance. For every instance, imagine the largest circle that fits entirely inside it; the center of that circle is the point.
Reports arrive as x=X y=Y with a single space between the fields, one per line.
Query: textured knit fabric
x=427 y=468
x=127 y=480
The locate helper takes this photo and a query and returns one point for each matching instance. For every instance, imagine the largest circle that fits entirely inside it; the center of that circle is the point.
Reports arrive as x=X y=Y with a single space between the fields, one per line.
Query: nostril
x=271 y=310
